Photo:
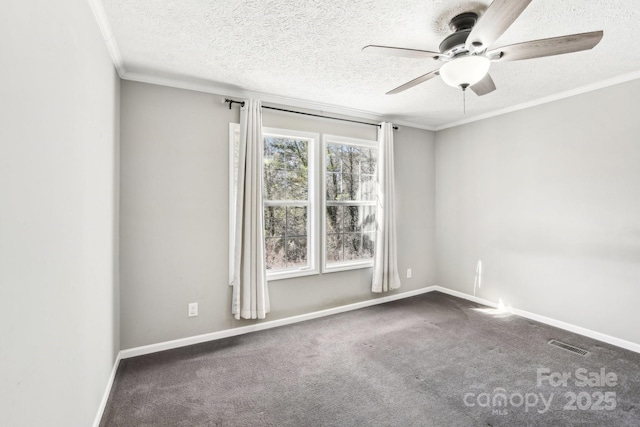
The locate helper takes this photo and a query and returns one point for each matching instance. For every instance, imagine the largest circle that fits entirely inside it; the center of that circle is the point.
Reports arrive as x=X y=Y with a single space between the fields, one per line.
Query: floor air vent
x=568 y=347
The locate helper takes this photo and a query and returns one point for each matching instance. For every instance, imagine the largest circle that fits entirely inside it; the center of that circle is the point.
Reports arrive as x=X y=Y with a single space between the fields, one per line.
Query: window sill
x=290 y=274
x=347 y=266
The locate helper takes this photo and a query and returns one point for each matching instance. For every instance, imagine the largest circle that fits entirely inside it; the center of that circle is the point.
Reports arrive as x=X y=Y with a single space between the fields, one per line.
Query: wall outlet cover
x=193 y=309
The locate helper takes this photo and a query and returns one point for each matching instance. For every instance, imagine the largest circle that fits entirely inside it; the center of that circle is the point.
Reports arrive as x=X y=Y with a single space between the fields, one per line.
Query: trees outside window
x=289 y=200
x=349 y=172
x=286 y=200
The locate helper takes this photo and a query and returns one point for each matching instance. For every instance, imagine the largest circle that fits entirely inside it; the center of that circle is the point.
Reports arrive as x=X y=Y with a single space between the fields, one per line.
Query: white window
x=347 y=171
x=290 y=202
x=349 y=202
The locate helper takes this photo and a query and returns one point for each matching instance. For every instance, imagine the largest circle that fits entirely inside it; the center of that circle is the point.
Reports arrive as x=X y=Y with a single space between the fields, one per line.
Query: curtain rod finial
x=233 y=101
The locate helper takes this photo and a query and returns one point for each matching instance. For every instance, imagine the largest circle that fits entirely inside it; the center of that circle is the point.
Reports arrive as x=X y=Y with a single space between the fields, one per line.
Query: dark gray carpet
x=412 y=362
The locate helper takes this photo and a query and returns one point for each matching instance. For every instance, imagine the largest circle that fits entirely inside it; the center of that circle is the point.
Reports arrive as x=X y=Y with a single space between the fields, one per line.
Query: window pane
x=296 y=252
x=367 y=187
x=334 y=183
x=273 y=154
x=275 y=178
x=334 y=158
x=286 y=178
x=353 y=219
x=334 y=250
x=350 y=186
x=296 y=221
x=274 y=221
x=297 y=153
x=369 y=220
x=334 y=219
x=368 y=244
x=275 y=183
x=350 y=175
x=286 y=168
x=298 y=188
x=274 y=253
x=351 y=159
x=369 y=160
x=352 y=246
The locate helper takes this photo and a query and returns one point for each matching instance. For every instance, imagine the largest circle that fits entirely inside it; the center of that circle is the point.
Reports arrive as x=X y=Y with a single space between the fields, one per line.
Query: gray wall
x=548 y=199
x=58 y=291
x=174 y=216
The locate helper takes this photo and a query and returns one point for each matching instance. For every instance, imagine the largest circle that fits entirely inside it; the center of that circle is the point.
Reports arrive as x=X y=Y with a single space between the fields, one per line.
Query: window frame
x=311 y=203
x=342 y=140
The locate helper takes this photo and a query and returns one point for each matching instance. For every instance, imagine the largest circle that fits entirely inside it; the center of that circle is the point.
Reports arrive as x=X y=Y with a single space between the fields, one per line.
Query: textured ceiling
x=311 y=50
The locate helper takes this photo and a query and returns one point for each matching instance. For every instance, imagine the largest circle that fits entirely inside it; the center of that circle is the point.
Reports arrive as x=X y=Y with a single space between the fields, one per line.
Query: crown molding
x=105 y=28
x=400 y=122
x=229 y=91
x=225 y=91
x=267 y=98
x=562 y=95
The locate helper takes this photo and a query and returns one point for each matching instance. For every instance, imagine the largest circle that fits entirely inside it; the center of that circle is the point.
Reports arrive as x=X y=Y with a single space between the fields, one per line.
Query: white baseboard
x=107 y=392
x=182 y=342
x=618 y=342
x=167 y=345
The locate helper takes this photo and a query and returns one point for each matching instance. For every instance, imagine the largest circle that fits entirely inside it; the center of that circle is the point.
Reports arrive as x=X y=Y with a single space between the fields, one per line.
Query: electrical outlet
x=408 y=273
x=193 y=309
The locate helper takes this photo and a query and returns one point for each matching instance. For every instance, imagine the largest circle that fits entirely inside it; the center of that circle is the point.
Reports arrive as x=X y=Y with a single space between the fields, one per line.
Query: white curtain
x=250 y=298
x=385 y=265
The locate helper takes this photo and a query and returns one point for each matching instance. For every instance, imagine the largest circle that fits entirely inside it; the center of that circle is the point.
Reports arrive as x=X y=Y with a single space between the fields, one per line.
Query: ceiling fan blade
x=414 y=82
x=399 y=51
x=495 y=21
x=484 y=86
x=547 y=47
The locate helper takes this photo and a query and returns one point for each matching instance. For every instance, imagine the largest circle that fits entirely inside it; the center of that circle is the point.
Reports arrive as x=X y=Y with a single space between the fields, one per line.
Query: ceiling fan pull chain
x=464 y=101
x=464 y=87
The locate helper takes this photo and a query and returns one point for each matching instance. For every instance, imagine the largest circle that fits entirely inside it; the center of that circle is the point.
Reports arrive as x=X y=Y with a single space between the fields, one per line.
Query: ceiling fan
x=467 y=53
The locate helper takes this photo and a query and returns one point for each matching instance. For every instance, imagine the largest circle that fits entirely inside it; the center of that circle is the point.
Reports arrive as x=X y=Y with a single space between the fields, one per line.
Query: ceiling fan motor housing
x=462 y=25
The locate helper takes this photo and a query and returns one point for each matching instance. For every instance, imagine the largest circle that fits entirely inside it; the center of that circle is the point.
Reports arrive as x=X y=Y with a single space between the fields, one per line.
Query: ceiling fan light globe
x=466 y=70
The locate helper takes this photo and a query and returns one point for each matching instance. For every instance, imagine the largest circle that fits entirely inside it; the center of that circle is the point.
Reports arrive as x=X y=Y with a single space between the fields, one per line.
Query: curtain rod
x=232 y=101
